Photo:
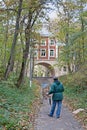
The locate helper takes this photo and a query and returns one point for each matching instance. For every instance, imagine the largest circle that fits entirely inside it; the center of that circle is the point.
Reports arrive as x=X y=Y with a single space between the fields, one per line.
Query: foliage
x=77 y=81
x=70 y=28
x=76 y=92
x=18 y=20
x=17 y=106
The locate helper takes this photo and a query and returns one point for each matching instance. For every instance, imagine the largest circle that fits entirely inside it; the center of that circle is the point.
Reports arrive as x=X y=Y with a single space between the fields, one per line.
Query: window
x=43 y=42
x=52 y=42
x=43 y=52
x=51 y=52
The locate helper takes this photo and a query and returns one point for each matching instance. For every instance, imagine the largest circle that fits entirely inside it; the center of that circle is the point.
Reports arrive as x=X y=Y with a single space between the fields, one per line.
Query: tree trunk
x=12 y=53
x=6 y=39
x=25 y=57
x=32 y=17
x=82 y=28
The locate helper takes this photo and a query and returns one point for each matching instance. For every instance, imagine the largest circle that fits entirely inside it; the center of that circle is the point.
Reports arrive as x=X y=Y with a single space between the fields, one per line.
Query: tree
x=66 y=10
x=35 y=11
x=21 y=18
x=70 y=29
x=12 y=53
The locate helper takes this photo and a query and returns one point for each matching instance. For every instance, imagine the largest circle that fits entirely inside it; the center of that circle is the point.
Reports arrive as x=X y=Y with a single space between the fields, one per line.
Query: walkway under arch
x=49 y=68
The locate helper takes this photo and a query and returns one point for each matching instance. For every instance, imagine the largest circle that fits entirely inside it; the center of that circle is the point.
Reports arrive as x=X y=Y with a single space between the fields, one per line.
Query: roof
x=45 y=32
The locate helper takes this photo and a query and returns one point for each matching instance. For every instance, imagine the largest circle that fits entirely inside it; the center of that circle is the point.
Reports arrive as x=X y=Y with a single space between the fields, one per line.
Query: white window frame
x=43 y=43
x=51 y=53
x=43 y=52
x=52 y=43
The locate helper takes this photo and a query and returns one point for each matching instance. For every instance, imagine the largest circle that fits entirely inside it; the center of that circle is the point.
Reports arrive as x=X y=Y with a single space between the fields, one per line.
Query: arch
x=50 y=68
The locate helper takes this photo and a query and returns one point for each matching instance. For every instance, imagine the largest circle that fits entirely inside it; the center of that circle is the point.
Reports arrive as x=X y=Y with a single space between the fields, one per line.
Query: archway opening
x=43 y=70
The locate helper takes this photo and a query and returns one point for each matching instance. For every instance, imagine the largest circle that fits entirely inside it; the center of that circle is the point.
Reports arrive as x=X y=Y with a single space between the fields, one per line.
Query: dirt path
x=66 y=122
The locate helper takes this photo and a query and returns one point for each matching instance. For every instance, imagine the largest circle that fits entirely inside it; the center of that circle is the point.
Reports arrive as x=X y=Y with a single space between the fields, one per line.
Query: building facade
x=47 y=49
x=46 y=54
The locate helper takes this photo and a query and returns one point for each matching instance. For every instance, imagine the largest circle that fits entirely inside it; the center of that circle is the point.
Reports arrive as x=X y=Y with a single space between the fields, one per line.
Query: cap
x=55 y=78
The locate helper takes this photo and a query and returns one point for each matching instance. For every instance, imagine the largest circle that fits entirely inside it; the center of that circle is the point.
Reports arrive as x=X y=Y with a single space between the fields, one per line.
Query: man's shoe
x=50 y=115
x=58 y=117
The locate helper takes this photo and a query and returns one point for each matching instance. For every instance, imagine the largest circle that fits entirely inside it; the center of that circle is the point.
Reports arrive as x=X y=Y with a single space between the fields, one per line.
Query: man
x=57 y=90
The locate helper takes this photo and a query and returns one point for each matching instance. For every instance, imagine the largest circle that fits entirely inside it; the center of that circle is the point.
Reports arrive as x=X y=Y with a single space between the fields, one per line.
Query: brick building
x=46 y=55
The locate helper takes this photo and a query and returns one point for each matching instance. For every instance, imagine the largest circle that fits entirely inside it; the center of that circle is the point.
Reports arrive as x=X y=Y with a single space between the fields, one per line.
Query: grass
x=16 y=106
x=76 y=97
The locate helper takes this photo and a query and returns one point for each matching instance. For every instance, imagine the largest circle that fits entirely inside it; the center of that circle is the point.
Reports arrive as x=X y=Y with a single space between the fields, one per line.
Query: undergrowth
x=16 y=111
x=76 y=95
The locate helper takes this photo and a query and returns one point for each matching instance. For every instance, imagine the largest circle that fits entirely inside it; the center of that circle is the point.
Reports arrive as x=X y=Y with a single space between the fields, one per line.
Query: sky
x=52 y=12
x=53 y=15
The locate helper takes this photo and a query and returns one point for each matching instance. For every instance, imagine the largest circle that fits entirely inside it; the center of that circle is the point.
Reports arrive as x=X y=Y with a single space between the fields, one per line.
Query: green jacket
x=57 y=90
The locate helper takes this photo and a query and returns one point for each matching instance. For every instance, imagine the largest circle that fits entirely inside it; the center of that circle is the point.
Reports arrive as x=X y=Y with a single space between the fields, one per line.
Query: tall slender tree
x=71 y=31
x=35 y=11
x=12 y=54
